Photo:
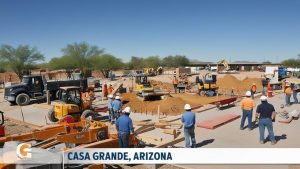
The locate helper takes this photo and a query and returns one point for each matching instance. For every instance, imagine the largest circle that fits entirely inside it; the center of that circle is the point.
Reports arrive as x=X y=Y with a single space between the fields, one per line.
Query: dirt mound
x=162 y=86
x=195 y=100
x=229 y=82
x=169 y=105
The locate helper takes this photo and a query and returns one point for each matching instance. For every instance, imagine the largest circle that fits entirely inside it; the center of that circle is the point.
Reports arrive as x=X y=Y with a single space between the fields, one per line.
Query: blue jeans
x=266 y=122
x=111 y=115
x=189 y=134
x=246 y=114
x=287 y=99
x=124 y=140
x=295 y=97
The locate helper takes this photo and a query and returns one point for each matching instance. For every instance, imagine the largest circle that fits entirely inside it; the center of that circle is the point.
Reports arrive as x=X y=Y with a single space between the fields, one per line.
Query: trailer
x=225 y=103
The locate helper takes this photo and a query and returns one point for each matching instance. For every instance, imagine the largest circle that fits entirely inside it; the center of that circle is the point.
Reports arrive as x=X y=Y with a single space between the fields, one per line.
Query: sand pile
x=162 y=86
x=169 y=105
x=240 y=87
x=195 y=100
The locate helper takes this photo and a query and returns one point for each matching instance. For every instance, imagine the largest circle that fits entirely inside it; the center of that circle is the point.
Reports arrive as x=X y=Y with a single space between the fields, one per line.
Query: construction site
x=156 y=110
x=153 y=84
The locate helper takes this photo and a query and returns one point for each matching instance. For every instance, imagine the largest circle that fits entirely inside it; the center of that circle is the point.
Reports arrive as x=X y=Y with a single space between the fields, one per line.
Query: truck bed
x=56 y=84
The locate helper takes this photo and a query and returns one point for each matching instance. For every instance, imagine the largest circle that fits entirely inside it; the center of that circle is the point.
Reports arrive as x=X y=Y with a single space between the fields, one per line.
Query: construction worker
x=294 y=89
x=247 y=105
x=124 y=127
x=110 y=89
x=91 y=93
x=266 y=113
x=83 y=96
x=175 y=83
x=189 y=119
x=117 y=105
x=288 y=93
x=253 y=90
x=110 y=107
x=283 y=84
x=105 y=90
x=232 y=92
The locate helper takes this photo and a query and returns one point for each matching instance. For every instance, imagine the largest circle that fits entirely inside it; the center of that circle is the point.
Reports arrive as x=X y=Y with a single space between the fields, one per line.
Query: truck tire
x=23 y=99
x=51 y=115
x=86 y=113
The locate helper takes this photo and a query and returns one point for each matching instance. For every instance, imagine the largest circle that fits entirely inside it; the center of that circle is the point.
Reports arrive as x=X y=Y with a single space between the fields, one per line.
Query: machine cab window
x=70 y=96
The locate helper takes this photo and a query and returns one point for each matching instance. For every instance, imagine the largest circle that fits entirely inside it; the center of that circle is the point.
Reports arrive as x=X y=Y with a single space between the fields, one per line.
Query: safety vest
x=288 y=91
x=175 y=81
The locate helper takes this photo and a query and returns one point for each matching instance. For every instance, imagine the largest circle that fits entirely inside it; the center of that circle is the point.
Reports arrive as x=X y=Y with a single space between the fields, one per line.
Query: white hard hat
x=253 y=83
x=118 y=97
x=110 y=96
x=288 y=84
x=127 y=110
x=187 y=107
x=248 y=93
x=263 y=98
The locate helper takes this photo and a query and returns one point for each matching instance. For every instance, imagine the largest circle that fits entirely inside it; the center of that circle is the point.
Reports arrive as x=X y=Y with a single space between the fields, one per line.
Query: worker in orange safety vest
x=175 y=83
x=253 y=90
x=288 y=92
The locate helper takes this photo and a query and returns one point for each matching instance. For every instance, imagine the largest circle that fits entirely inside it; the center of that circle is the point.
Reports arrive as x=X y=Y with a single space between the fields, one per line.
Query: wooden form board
x=170 y=143
x=161 y=124
x=217 y=121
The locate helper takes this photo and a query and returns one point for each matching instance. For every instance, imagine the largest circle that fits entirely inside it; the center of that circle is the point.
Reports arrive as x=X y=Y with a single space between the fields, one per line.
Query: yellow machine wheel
x=86 y=113
x=51 y=115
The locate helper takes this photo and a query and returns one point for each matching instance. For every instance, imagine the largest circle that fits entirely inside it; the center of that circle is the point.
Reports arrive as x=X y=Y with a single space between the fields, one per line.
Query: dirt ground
x=170 y=105
x=240 y=83
x=16 y=127
x=196 y=100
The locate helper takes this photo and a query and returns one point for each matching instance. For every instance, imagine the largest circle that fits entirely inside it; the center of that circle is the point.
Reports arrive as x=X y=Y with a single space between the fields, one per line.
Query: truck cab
x=36 y=85
x=30 y=87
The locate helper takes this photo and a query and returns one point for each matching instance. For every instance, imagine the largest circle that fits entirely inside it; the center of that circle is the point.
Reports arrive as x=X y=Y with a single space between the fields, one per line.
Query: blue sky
x=206 y=30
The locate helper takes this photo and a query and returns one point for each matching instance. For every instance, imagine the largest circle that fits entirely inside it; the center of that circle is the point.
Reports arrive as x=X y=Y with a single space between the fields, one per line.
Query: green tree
x=78 y=55
x=294 y=63
x=175 y=61
x=106 y=62
x=136 y=63
x=21 y=59
x=152 y=61
x=2 y=66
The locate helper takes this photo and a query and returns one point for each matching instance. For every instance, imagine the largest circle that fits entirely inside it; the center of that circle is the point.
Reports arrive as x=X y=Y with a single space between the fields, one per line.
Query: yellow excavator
x=207 y=87
x=71 y=103
x=224 y=63
x=153 y=71
x=226 y=66
x=145 y=90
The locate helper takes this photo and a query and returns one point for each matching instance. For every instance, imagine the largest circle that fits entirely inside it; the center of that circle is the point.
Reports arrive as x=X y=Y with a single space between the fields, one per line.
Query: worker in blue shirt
x=117 y=106
x=110 y=107
x=124 y=127
x=189 y=119
x=295 y=92
x=266 y=114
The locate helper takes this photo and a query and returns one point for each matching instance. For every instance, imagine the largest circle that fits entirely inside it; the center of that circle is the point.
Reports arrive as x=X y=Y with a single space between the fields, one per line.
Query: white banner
x=183 y=156
x=24 y=154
